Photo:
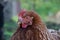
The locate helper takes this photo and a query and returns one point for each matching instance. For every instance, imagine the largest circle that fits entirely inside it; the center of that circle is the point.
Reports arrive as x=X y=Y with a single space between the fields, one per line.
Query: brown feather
x=37 y=31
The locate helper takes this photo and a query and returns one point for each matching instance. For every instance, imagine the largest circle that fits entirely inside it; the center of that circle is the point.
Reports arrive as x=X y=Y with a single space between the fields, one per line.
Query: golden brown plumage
x=36 y=31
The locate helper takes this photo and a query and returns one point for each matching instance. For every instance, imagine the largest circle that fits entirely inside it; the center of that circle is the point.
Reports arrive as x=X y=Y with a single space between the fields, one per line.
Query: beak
x=32 y=17
x=19 y=22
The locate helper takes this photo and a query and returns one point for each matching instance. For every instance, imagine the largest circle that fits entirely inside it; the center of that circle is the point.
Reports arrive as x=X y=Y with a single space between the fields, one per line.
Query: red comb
x=22 y=12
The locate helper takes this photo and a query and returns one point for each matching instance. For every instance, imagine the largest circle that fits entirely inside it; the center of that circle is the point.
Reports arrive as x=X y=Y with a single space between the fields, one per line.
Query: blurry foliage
x=43 y=7
x=15 y=18
x=9 y=29
x=52 y=25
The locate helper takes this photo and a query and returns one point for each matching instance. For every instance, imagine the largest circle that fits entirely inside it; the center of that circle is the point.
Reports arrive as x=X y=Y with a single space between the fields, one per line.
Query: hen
x=31 y=27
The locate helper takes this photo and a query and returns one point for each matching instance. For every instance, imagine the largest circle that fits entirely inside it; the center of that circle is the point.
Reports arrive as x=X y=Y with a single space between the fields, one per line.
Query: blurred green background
x=49 y=11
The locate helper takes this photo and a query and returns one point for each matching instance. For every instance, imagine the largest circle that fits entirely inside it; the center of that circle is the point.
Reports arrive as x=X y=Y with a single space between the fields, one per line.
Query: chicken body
x=36 y=31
